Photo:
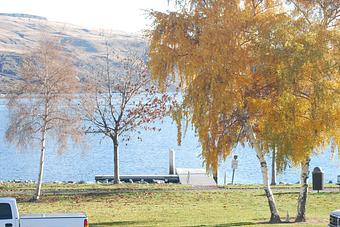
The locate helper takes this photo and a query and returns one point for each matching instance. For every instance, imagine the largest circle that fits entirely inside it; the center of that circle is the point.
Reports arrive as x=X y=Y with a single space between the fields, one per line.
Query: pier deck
x=195 y=177
x=139 y=178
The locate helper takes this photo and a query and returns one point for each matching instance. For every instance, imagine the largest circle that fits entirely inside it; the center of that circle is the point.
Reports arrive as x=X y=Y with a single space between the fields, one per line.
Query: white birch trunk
x=302 y=200
x=273 y=181
x=42 y=162
x=275 y=217
x=42 y=149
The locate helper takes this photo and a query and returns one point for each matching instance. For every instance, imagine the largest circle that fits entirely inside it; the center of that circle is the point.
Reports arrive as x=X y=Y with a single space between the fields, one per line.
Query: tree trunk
x=275 y=217
x=215 y=174
x=116 y=159
x=302 y=200
x=273 y=182
x=42 y=162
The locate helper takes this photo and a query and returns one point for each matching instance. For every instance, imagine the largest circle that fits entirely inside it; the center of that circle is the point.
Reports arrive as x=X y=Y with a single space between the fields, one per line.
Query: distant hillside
x=20 y=33
x=23 y=15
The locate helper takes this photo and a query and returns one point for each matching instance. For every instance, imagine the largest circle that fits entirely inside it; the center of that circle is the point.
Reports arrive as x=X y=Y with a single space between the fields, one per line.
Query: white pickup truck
x=9 y=217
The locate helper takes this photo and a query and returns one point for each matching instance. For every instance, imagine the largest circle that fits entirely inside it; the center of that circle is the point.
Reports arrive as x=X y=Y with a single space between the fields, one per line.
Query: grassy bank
x=170 y=205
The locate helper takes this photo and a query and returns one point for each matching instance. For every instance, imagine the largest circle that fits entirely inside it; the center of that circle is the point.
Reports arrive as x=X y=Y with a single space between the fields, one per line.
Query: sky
x=124 y=15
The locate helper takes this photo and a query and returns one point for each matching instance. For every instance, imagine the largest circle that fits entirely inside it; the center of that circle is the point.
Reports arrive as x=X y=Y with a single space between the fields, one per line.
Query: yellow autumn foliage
x=274 y=66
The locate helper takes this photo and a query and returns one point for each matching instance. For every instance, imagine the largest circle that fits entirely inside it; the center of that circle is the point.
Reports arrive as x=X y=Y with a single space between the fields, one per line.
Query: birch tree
x=122 y=102
x=43 y=105
x=314 y=88
x=210 y=46
x=245 y=68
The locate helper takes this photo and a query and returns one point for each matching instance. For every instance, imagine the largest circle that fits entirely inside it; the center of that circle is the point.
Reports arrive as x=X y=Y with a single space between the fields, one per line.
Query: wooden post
x=225 y=178
x=188 y=178
x=232 y=178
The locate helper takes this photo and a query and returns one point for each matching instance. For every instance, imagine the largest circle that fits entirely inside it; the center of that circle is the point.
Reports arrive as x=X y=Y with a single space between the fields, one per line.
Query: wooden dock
x=194 y=177
x=139 y=178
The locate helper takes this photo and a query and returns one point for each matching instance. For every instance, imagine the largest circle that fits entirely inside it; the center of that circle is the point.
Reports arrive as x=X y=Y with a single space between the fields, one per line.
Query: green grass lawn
x=171 y=205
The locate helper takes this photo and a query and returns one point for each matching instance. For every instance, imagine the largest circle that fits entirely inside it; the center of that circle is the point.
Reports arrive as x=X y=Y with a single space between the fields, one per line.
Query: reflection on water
x=147 y=157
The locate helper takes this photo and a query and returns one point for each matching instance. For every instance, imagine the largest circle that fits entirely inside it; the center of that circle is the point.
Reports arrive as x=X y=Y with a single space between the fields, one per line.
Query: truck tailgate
x=52 y=220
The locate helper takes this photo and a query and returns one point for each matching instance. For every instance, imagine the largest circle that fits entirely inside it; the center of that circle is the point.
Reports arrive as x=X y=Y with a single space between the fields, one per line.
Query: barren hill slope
x=21 y=32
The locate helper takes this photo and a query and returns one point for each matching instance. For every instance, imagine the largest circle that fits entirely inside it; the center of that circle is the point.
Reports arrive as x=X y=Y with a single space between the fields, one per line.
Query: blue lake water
x=149 y=156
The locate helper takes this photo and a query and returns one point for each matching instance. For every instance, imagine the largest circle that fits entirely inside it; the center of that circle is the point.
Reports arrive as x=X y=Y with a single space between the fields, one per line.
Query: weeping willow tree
x=251 y=72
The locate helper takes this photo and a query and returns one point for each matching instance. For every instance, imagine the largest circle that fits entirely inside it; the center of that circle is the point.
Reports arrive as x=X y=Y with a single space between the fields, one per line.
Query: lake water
x=149 y=156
